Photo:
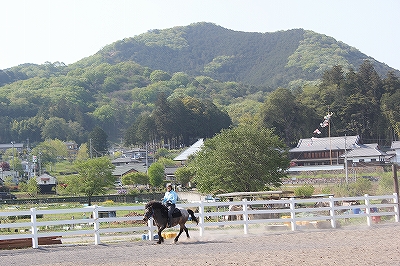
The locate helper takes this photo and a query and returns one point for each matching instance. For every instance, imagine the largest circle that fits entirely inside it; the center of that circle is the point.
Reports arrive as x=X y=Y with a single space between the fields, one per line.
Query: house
x=322 y=151
x=72 y=149
x=365 y=153
x=18 y=146
x=47 y=184
x=123 y=161
x=122 y=170
x=396 y=148
x=136 y=153
x=170 y=173
x=5 y=174
x=184 y=156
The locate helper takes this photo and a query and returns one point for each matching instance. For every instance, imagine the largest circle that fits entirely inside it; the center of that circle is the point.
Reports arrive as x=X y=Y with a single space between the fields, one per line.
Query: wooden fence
x=96 y=221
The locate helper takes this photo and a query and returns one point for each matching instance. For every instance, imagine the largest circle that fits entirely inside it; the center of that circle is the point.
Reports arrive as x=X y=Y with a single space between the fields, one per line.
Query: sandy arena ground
x=361 y=245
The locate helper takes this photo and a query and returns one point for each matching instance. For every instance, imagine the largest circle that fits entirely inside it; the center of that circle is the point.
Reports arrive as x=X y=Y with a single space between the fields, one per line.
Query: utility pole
x=345 y=159
x=28 y=158
x=40 y=162
x=90 y=149
x=12 y=143
x=147 y=160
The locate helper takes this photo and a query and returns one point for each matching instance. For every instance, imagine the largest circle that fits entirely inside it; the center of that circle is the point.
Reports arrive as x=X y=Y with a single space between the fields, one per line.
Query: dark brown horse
x=159 y=212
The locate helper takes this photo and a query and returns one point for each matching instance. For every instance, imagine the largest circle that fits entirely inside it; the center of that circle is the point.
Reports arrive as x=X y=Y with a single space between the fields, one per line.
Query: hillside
x=260 y=59
x=278 y=59
x=205 y=73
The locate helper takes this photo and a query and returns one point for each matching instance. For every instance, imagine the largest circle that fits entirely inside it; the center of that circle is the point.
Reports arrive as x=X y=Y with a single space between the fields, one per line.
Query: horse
x=159 y=212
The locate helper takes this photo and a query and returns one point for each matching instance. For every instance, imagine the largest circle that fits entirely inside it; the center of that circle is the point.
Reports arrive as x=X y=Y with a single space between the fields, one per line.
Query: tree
x=141 y=131
x=97 y=142
x=183 y=175
x=5 y=166
x=94 y=177
x=83 y=153
x=163 y=117
x=46 y=153
x=240 y=159
x=135 y=178
x=285 y=115
x=32 y=187
x=159 y=75
x=55 y=128
x=156 y=174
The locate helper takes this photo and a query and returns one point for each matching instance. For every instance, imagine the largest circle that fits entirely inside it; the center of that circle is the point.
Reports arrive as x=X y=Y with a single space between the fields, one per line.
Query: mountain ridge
x=263 y=59
x=289 y=58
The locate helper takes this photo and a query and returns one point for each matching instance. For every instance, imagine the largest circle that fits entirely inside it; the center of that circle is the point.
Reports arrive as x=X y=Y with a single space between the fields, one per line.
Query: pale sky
x=36 y=31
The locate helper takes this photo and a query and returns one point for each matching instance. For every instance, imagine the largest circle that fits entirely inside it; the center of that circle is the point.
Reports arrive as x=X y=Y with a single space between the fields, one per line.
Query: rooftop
x=322 y=144
x=190 y=151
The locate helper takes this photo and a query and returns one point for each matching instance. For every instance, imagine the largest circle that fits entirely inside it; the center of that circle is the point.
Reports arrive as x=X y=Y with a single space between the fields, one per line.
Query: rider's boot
x=169 y=223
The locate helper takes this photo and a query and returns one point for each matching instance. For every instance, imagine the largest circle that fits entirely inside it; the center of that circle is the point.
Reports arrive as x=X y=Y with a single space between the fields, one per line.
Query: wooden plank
x=27 y=242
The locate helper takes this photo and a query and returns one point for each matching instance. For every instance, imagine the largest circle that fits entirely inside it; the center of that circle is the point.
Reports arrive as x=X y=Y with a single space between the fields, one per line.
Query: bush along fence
x=39 y=224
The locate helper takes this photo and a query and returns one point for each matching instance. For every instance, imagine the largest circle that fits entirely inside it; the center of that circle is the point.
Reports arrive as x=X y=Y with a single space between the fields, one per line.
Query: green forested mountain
x=183 y=83
x=260 y=59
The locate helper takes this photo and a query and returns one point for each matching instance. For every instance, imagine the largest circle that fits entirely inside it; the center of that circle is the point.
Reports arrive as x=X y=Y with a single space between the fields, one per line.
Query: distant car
x=210 y=198
x=6 y=195
x=371 y=178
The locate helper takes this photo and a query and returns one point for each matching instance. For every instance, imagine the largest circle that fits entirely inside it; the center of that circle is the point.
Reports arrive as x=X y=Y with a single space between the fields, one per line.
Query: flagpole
x=330 y=140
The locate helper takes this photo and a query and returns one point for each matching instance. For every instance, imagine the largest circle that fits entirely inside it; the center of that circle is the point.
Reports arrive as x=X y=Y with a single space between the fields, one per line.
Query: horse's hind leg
x=177 y=237
x=187 y=232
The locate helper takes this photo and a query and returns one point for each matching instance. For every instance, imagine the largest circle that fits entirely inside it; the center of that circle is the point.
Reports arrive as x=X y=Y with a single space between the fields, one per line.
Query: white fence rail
x=291 y=212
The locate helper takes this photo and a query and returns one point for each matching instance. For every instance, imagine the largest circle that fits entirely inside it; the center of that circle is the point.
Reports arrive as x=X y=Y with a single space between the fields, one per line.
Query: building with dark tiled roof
x=322 y=151
x=365 y=153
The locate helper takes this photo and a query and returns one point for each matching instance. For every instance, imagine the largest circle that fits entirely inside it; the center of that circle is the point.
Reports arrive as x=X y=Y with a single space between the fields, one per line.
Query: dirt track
x=362 y=245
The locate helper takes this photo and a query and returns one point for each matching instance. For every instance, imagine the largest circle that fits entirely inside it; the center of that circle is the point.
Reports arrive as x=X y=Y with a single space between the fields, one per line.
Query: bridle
x=148 y=214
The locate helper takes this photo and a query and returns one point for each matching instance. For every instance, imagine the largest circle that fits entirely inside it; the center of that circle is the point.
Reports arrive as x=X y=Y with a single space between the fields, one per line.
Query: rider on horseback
x=169 y=200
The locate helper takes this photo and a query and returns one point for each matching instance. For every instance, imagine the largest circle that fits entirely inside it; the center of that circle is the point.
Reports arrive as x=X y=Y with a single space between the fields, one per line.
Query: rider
x=169 y=200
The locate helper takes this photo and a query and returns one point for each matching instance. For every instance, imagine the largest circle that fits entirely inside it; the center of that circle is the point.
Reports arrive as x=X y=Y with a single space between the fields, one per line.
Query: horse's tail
x=194 y=218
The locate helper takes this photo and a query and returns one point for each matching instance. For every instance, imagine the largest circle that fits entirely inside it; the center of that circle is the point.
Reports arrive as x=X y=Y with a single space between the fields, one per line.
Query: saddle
x=175 y=213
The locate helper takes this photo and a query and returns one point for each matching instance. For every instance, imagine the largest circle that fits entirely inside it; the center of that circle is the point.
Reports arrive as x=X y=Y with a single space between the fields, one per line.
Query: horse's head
x=151 y=207
x=148 y=212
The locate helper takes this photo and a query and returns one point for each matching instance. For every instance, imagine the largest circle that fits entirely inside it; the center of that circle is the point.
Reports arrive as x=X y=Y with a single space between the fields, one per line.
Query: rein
x=151 y=214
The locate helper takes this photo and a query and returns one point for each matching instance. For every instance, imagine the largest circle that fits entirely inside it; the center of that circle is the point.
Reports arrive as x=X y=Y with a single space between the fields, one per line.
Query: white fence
x=292 y=212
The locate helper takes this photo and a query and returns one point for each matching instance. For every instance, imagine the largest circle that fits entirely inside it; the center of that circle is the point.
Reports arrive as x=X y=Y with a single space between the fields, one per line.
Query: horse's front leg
x=160 y=238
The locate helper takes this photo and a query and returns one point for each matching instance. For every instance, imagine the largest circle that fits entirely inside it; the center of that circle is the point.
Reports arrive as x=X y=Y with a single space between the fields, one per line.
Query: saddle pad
x=176 y=213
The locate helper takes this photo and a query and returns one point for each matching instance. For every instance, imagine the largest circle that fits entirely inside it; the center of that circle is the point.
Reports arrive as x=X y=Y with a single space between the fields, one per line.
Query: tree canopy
x=200 y=79
x=94 y=177
x=156 y=174
x=244 y=158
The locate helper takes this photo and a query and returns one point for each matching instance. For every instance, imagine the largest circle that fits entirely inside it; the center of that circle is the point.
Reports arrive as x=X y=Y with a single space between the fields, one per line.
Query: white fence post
x=292 y=214
x=150 y=224
x=396 y=207
x=201 y=216
x=245 y=217
x=332 y=211
x=96 y=225
x=35 y=241
x=368 y=210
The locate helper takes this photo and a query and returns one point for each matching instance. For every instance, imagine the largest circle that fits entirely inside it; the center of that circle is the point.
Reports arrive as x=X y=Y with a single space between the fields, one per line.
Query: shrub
x=304 y=191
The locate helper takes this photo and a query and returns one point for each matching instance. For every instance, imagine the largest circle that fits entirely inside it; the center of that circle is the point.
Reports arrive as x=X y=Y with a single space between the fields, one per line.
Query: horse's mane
x=155 y=204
